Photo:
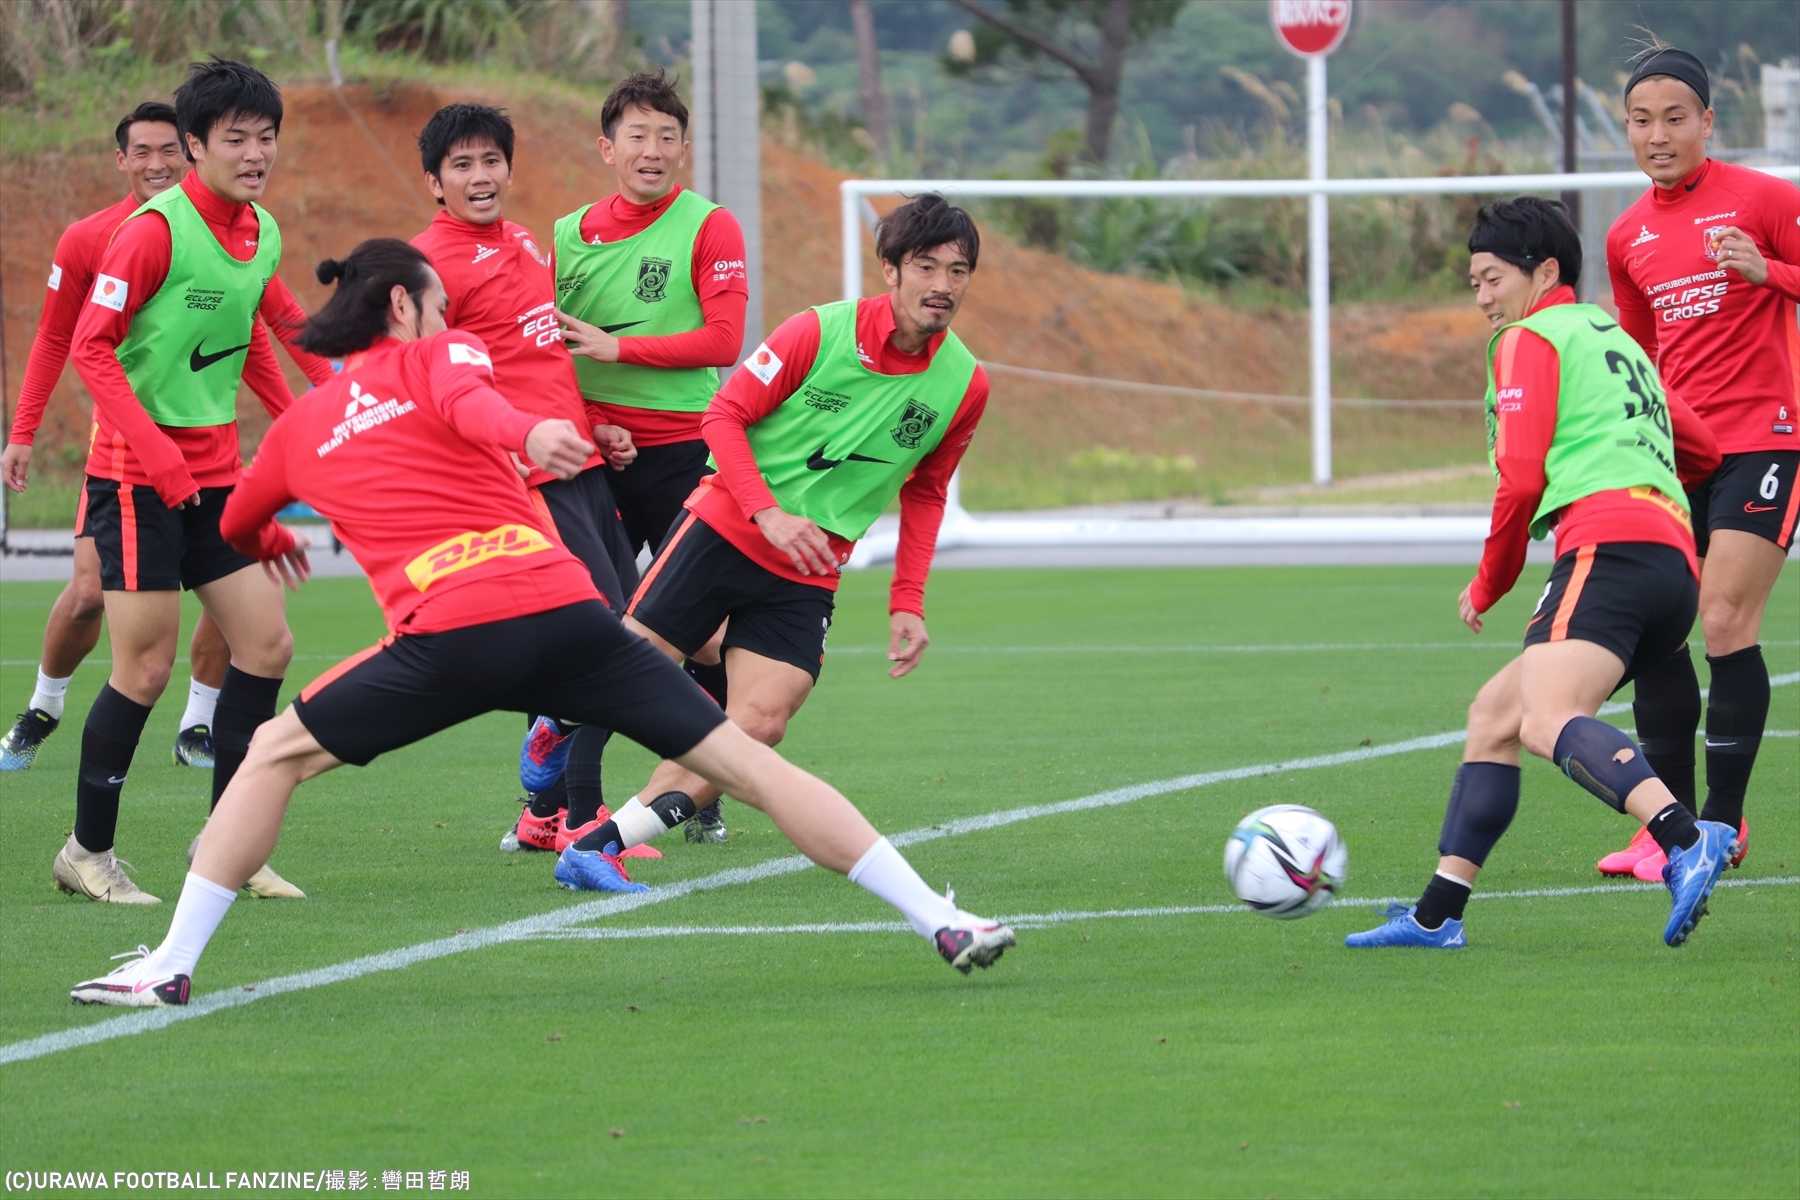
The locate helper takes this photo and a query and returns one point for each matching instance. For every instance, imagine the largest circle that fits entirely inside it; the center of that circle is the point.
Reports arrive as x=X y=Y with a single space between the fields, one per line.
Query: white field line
x=940 y=648
x=1045 y=920
x=542 y=924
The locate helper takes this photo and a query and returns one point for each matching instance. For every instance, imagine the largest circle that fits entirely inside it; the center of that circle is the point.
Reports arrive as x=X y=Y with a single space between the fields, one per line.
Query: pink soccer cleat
x=1624 y=862
x=566 y=837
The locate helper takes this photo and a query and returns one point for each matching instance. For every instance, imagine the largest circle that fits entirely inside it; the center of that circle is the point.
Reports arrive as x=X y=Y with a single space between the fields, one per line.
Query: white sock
x=202 y=906
x=881 y=870
x=50 y=694
x=637 y=824
x=201 y=702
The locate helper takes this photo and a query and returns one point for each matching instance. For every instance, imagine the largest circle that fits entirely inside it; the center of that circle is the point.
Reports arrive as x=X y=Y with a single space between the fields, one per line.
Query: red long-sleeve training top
x=503 y=290
x=720 y=282
x=1728 y=346
x=1528 y=375
x=727 y=501
x=406 y=454
x=127 y=445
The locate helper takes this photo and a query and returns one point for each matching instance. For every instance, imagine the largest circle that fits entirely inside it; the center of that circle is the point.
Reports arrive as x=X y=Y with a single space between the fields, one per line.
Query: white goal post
x=960 y=529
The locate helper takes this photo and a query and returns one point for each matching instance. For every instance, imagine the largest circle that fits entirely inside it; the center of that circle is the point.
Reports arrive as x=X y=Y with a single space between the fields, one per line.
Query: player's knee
x=765 y=725
x=86 y=601
x=270 y=656
x=1538 y=732
x=1601 y=758
x=1725 y=622
x=1494 y=717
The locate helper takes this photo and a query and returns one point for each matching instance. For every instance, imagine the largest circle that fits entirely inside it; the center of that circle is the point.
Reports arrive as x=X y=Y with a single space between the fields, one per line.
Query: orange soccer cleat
x=566 y=837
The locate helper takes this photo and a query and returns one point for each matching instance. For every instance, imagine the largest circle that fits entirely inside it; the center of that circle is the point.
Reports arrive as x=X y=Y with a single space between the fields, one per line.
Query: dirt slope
x=348 y=169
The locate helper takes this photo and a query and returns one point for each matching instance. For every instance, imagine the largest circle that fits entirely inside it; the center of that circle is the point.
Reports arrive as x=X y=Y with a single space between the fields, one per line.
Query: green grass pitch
x=1566 y=1052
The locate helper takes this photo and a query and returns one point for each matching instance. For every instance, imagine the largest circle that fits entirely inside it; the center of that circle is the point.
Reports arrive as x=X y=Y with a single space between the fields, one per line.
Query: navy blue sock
x=1601 y=759
x=1667 y=711
x=1482 y=803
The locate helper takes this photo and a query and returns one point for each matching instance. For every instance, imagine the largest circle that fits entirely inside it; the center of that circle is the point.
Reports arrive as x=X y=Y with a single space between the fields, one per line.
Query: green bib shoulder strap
x=841 y=447
x=185 y=352
x=641 y=286
x=1612 y=421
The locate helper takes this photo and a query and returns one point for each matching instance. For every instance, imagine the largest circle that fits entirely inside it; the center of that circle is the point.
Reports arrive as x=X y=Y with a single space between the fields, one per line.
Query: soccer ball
x=1285 y=861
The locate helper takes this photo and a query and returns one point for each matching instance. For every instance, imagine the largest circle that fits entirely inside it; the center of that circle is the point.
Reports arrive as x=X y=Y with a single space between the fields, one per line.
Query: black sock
x=1443 y=900
x=245 y=701
x=1736 y=710
x=108 y=741
x=550 y=801
x=671 y=808
x=710 y=677
x=581 y=777
x=1667 y=711
x=1674 y=827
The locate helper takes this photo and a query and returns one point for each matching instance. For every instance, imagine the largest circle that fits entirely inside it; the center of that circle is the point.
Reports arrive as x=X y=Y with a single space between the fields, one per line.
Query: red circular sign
x=1310 y=27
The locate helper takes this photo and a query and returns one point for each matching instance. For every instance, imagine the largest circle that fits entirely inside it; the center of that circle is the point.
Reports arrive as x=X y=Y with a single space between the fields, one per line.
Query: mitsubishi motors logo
x=1645 y=236
x=483 y=252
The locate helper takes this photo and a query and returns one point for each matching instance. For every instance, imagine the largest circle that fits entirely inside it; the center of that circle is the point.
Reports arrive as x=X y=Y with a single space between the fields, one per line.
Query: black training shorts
x=146 y=546
x=653 y=488
x=576 y=663
x=700 y=579
x=1637 y=599
x=1753 y=492
x=587 y=522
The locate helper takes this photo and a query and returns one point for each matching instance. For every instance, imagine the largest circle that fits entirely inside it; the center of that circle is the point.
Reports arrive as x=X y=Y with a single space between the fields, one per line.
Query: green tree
x=1089 y=38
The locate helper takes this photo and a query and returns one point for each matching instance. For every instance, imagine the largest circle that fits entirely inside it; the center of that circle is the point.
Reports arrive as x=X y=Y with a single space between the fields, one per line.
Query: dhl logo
x=468 y=549
x=1667 y=505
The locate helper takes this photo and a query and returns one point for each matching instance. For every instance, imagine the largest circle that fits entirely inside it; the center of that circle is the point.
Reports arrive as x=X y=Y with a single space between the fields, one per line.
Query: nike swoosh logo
x=818 y=461
x=616 y=328
x=1759 y=508
x=119 y=779
x=1599 y=328
x=199 y=362
x=143 y=985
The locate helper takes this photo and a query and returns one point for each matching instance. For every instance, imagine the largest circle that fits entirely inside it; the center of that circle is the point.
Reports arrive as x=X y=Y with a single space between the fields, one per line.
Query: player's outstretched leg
x=70 y=635
x=1482 y=803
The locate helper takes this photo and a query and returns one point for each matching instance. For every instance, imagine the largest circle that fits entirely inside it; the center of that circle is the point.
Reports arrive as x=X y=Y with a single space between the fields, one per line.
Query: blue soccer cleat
x=594 y=871
x=544 y=755
x=19 y=748
x=1690 y=877
x=1402 y=929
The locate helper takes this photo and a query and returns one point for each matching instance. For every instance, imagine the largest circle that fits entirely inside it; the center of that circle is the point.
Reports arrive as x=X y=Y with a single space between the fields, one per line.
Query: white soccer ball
x=1285 y=861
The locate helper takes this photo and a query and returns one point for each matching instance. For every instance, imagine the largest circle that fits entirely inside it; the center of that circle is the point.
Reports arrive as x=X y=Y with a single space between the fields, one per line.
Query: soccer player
x=149 y=156
x=502 y=289
x=1706 y=272
x=408 y=456
x=1585 y=442
x=169 y=328
x=844 y=407
x=662 y=268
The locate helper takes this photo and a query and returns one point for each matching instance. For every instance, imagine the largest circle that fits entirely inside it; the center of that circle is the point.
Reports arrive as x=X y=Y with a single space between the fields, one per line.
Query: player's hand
x=906 y=642
x=1466 y=609
x=803 y=542
x=615 y=443
x=293 y=568
x=558 y=447
x=15 y=465
x=589 y=341
x=1738 y=253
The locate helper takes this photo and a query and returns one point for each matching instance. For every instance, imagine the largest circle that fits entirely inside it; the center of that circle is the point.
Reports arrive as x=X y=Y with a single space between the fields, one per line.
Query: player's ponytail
x=357 y=312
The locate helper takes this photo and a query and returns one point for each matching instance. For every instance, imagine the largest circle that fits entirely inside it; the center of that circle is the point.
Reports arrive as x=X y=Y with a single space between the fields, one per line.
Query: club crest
x=1709 y=241
x=914 y=424
x=653 y=277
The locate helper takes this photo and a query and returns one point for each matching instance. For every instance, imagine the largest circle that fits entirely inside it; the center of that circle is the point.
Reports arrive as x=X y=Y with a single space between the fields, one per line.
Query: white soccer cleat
x=133 y=985
x=972 y=941
x=97 y=876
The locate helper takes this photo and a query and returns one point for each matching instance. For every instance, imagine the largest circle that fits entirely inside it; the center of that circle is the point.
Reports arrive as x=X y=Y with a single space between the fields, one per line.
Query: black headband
x=1676 y=64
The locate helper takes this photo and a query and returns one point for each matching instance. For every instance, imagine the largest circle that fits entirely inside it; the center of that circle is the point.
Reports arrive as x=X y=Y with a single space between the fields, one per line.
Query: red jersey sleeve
x=922 y=502
x=724 y=290
x=753 y=392
x=1777 y=235
x=1527 y=377
x=1696 y=450
x=248 y=521
x=138 y=261
x=50 y=349
x=286 y=319
x=462 y=390
x=262 y=373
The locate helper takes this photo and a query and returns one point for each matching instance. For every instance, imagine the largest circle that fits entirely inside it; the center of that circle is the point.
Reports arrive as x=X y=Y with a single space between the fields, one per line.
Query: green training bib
x=186 y=349
x=642 y=286
x=1612 y=424
x=840 y=448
